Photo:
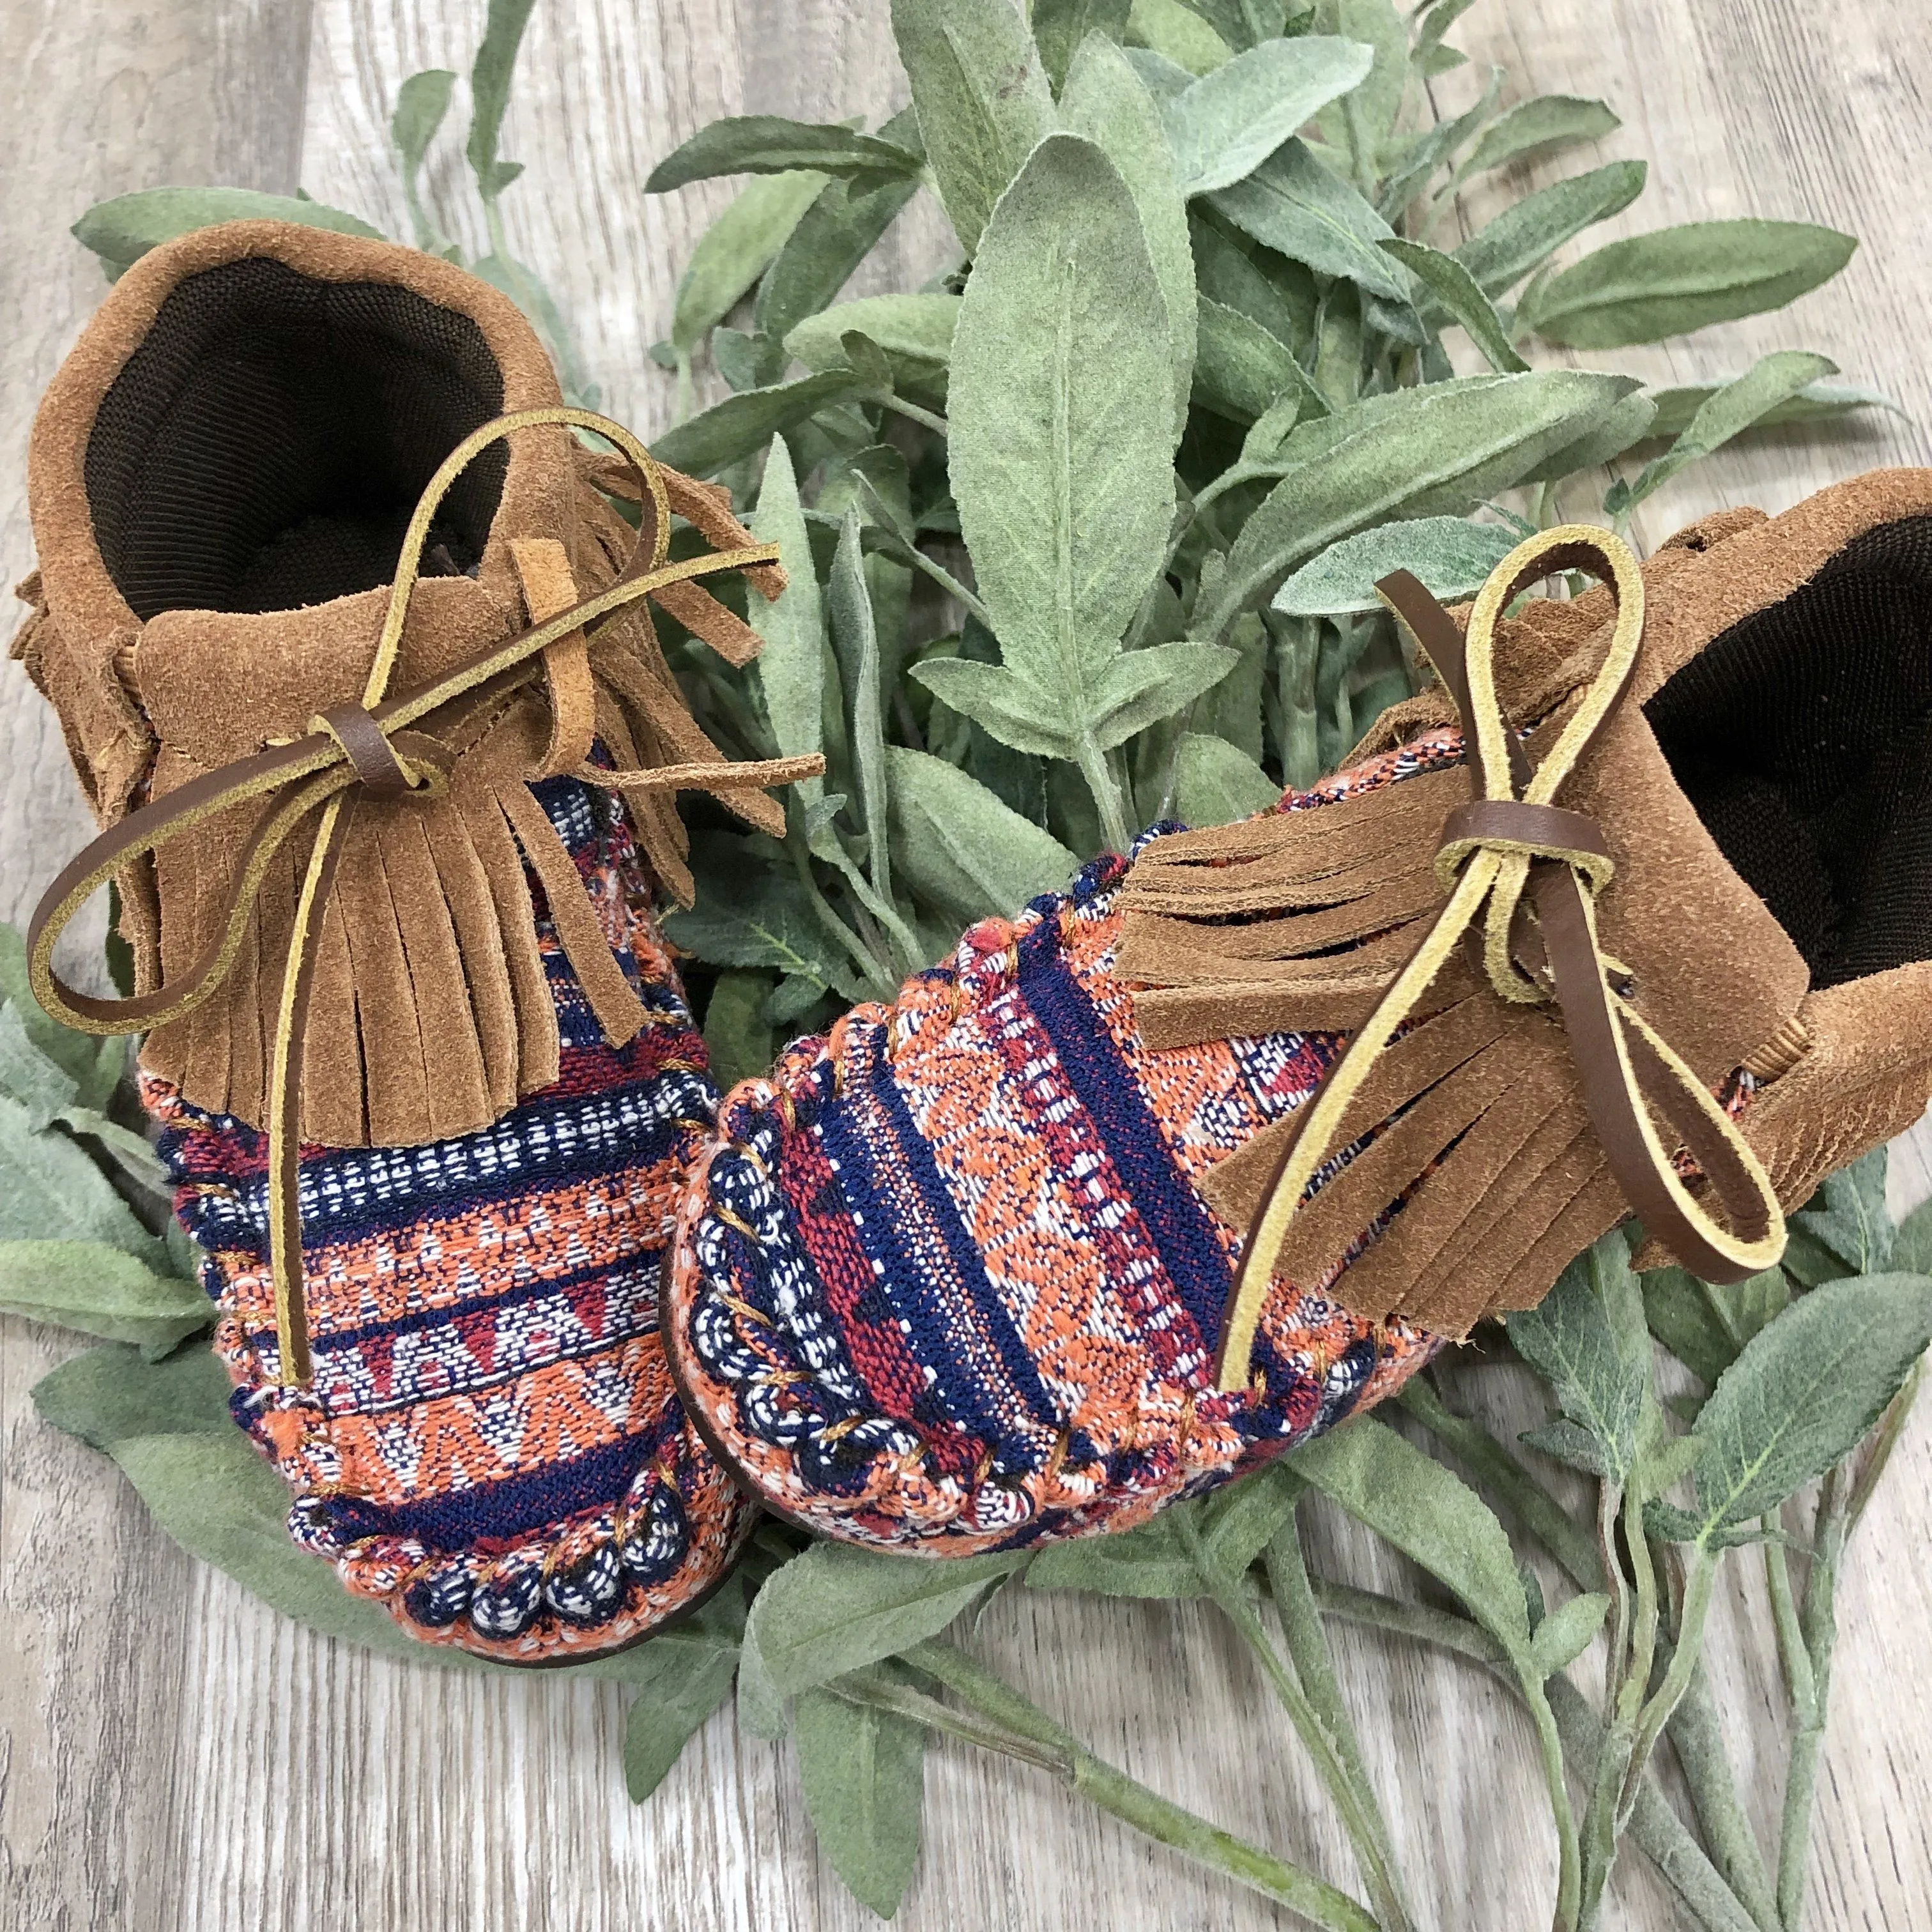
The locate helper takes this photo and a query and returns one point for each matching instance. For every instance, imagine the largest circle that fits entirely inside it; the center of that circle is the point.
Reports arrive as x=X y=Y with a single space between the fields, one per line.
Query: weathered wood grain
x=176 y=1756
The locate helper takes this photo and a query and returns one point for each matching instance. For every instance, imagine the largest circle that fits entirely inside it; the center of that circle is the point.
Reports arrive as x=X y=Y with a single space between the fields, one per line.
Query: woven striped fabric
x=943 y=1278
x=491 y=1445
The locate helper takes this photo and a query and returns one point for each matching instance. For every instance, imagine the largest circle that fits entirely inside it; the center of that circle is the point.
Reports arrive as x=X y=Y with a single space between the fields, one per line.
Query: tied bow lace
x=1512 y=851
x=383 y=748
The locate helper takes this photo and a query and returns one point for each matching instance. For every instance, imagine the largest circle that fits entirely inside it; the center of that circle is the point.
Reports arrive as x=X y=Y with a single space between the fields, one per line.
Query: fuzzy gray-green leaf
x=1061 y=27
x=1241 y=370
x=1530 y=231
x=1309 y=214
x=100 y=1290
x=1106 y=102
x=862 y=1770
x=1432 y=1516
x=1229 y=121
x=1454 y=289
x=1586 y=1337
x=1216 y=782
x=681 y=1679
x=1675 y=279
x=1537 y=126
x=1439 y=449
x=960 y=848
x=1804 y=1391
x=791 y=667
x=856 y=639
x=1452 y=556
x=768 y=144
x=1844 y=1229
x=1140 y=688
x=489 y=76
x=838 y=1607
x=1063 y=425
x=735 y=250
x=916 y=332
x=1771 y=380
x=982 y=99
x=122 y=230
x=1816 y=402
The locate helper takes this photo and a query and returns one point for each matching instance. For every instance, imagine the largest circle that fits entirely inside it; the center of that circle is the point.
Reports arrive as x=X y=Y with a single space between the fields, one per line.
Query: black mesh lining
x=1803 y=736
x=264 y=446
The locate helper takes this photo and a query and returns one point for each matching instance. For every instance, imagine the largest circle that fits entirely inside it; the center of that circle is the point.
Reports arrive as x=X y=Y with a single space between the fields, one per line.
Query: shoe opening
x=1803 y=737
x=264 y=445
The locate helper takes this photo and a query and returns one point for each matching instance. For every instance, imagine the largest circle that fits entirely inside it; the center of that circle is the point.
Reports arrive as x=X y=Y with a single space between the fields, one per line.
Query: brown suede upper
x=430 y=1014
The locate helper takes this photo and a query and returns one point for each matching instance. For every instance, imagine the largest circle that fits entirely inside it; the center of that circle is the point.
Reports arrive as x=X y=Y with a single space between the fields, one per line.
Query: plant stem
x=1698 y=1734
x=1018 y=1727
x=1519 y=1492
x=1298 y=660
x=1656 y=1713
x=1791 y=1654
x=913 y=412
x=1660 y=1834
x=1106 y=794
x=1569 y=1872
x=1365 y=1829
x=1314 y=1663
x=1818 y=1628
x=868 y=967
x=911 y=554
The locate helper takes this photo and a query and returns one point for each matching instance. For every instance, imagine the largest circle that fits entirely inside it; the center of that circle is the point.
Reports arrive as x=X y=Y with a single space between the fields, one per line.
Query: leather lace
x=1512 y=850
x=385 y=748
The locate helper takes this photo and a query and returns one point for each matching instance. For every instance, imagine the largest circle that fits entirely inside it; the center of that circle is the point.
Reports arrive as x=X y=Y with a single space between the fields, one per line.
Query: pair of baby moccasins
x=350 y=635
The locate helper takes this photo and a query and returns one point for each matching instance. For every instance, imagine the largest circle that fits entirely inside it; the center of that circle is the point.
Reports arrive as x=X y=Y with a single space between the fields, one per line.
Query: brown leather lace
x=1514 y=842
x=385 y=748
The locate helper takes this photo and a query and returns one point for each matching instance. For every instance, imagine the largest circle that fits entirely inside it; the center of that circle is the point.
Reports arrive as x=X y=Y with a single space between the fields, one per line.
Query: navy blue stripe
x=968 y=1263
x=904 y=1284
x=507 y=1508
x=1173 y=1214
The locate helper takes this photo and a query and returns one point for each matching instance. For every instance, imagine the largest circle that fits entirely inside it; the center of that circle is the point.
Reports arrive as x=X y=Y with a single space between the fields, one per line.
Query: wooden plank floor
x=173 y=1755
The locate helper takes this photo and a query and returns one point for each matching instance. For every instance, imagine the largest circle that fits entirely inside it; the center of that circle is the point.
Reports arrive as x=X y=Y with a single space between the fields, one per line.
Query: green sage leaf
x=1061 y=27
x=1062 y=428
x=55 y=1192
x=1178 y=34
x=790 y=672
x=960 y=848
x=1281 y=296
x=742 y=424
x=682 y=1676
x=1772 y=379
x=1844 y=1229
x=1816 y=402
x=1911 y=1246
x=1432 y=1516
x=1452 y=556
x=1676 y=280
x=1216 y=783
x=1241 y=370
x=856 y=641
x=121 y=231
x=1565 y=1633
x=862 y=1770
x=1628 y=424
x=768 y=144
x=1704 y=1324
x=489 y=76
x=1229 y=121
x=1540 y=125
x=1302 y=210
x=750 y=915
x=737 y=1035
x=100 y=1290
x=982 y=100
x=1440 y=449
x=1454 y=288
x=834 y=236
x=915 y=331
x=1105 y=101
x=1140 y=688
x=422 y=103
x=838 y=1607
x=1804 y=1390
x=735 y=250
x=1587 y=1338
x=1528 y=233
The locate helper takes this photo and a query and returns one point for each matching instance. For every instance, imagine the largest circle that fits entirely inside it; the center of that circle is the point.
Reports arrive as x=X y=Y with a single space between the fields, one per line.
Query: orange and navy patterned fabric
x=943 y=1278
x=491 y=1444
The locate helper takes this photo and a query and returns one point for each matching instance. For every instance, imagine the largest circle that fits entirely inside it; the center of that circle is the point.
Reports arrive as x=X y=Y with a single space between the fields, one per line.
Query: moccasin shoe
x=349 y=644
x=1182 y=1167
